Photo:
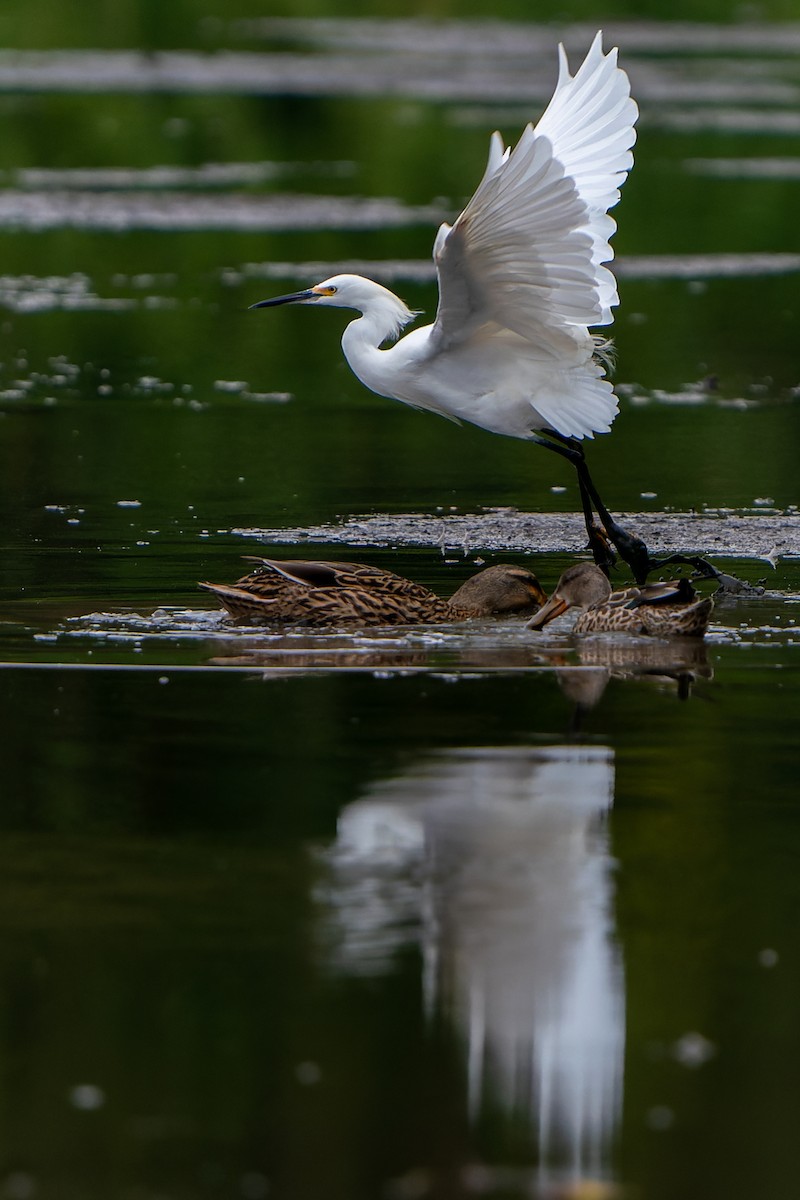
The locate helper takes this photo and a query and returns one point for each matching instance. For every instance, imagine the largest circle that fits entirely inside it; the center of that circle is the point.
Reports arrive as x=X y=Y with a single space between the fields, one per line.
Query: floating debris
x=734 y=533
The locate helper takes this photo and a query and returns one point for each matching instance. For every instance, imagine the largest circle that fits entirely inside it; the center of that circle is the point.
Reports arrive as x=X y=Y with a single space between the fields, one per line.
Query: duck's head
x=581 y=586
x=501 y=589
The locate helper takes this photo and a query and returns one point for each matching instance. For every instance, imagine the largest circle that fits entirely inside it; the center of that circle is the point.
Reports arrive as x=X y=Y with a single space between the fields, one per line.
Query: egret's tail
x=579 y=402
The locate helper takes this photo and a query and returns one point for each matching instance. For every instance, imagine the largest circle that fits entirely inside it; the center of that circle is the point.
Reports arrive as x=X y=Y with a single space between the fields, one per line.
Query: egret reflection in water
x=496 y=863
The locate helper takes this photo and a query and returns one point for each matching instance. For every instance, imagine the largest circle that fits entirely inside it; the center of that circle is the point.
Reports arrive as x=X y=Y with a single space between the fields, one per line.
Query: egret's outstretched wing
x=527 y=251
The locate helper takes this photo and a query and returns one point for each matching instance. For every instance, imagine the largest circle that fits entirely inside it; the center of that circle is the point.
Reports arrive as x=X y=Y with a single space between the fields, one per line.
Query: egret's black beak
x=292 y=298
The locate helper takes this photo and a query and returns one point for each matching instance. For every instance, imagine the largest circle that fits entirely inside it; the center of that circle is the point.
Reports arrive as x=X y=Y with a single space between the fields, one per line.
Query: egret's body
x=521 y=281
x=495 y=378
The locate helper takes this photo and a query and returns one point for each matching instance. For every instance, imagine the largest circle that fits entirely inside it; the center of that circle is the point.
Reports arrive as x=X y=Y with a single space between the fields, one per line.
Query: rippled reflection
x=496 y=863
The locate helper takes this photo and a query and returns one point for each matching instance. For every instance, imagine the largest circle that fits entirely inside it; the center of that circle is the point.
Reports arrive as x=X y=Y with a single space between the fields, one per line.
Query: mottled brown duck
x=336 y=593
x=658 y=609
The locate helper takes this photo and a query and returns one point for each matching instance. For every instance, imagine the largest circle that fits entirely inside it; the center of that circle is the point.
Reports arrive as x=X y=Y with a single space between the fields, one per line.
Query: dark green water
x=439 y=913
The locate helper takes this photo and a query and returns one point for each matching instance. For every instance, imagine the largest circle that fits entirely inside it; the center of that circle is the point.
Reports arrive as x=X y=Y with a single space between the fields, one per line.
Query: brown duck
x=659 y=609
x=335 y=593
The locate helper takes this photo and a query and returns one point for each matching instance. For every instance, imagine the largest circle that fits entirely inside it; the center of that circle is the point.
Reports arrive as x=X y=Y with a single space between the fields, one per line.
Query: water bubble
x=692 y=1050
x=308 y=1073
x=254 y=1186
x=87 y=1096
x=269 y=397
x=176 y=127
x=19 y=1185
x=660 y=1117
x=417 y=1183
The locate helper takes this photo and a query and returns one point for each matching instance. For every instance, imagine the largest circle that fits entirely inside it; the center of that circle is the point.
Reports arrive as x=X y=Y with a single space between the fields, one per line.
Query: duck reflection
x=676 y=665
x=496 y=862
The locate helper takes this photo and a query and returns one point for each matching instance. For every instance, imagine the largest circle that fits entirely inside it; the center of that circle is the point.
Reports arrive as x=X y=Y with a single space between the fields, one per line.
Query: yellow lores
x=335 y=593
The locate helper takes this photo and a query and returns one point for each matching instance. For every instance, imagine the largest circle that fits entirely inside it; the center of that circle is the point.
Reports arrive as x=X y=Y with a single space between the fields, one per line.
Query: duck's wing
x=302 y=575
x=673 y=592
x=312 y=573
x=528 y=250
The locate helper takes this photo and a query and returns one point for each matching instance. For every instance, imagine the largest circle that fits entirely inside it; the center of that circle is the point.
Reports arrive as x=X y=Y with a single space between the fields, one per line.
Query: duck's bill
x=291 y=298
x=554 y=607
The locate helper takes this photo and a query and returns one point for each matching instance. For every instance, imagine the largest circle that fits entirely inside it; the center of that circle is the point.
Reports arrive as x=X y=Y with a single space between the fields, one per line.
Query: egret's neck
x=383 y=317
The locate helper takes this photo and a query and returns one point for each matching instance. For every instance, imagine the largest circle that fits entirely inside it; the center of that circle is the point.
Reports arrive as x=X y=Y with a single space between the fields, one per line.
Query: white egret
x=521 y=279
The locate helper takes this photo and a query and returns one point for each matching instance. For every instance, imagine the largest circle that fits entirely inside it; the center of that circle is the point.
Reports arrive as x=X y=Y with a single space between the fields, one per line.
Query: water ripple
x=207 y=175
x=745 y=168
x=494 y=38
x=186 y=211
x=31 y=293
x=466 y=61
x=422 y=270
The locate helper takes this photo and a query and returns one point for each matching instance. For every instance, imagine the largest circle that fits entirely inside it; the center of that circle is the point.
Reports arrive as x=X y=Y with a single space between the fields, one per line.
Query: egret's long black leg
x=598 y=543
x=635 y=553
x=631 y=548
x=600 y=546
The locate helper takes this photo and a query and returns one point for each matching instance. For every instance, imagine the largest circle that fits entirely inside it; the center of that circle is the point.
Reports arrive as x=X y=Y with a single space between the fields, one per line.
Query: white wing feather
x=528 y=250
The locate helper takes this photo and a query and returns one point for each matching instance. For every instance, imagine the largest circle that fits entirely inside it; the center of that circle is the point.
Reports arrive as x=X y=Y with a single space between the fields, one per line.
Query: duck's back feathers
x=659 y=618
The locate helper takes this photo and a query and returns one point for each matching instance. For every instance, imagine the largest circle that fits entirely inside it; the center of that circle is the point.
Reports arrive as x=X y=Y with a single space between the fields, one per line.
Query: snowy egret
x=521 y=279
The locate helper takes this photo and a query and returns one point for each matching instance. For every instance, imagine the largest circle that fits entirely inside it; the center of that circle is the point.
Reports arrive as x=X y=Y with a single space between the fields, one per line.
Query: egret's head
x=349 y=291
x=332 y=292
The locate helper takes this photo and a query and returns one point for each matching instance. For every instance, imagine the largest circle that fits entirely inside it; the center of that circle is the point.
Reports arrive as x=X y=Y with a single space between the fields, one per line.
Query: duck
x=335 y=593
x=658 y=609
